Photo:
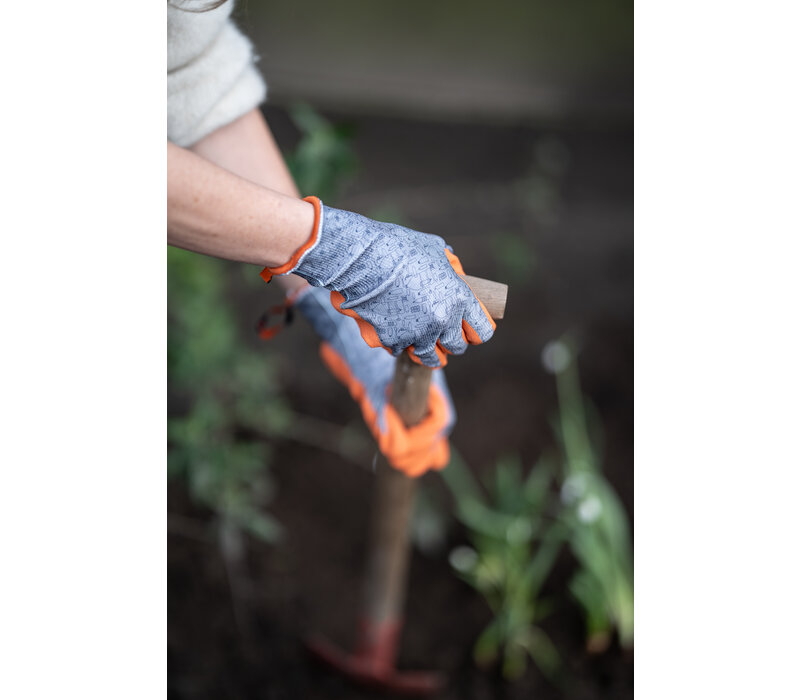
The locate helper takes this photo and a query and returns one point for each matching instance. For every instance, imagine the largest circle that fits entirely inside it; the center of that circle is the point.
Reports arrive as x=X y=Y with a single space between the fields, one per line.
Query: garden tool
x=373 y=660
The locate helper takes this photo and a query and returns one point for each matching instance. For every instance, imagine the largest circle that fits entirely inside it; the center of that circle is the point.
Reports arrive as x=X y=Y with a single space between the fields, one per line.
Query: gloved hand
x=367 y=373
x=403 y=287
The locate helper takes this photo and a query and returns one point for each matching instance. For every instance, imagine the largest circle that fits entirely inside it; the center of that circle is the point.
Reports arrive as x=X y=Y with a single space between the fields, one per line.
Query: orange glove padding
x=411 y=450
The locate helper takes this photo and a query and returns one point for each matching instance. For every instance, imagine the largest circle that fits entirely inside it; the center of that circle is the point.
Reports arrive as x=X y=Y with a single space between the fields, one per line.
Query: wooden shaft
x=394 y=501
x=492 y=294
x=389 y=548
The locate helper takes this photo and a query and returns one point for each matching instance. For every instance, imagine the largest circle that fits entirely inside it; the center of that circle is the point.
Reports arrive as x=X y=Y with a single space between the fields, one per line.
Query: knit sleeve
x=211 y=75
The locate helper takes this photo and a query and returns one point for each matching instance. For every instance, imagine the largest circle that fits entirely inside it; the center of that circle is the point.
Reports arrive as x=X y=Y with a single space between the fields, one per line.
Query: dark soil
x=468 y=184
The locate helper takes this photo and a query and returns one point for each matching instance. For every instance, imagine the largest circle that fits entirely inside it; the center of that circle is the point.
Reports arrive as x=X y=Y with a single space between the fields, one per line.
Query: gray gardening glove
x=404 y=288
x=367 y=373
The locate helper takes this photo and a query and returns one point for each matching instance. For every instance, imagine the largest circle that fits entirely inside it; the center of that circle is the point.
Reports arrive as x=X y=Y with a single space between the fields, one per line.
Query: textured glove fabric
x=403 y=287
x=367 y=373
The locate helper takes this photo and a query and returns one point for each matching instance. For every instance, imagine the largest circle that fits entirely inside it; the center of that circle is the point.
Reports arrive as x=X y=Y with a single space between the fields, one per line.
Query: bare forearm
x=212 y=211
x=246 y=148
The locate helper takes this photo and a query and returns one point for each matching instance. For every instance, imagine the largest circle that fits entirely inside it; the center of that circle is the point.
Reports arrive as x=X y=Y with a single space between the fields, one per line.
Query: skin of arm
x=246 y=148
x=212 y=211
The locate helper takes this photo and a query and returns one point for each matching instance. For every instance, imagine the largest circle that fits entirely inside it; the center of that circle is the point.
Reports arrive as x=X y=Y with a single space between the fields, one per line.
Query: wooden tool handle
x=492 y=294
x=394 y=498
x=412 y=381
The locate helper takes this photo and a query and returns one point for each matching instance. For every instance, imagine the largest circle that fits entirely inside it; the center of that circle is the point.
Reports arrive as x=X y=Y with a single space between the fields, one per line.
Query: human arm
x=247 y=148
x=212 y=211
x=405 y=288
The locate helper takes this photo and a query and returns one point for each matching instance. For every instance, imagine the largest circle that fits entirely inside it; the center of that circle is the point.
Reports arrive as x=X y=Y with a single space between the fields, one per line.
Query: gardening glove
x=367 y=373
x=404 y=288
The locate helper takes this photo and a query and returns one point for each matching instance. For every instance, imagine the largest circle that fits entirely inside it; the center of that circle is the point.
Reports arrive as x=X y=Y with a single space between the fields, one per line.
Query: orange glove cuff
x=294 y=261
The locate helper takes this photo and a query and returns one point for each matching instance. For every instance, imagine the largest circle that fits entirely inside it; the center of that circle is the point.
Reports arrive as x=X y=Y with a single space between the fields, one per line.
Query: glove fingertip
x=434 y=358
x=478 y=325
x=453 y=341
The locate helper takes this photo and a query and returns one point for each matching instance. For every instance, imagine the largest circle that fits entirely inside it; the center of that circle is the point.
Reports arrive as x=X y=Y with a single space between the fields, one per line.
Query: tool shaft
x=389 y=548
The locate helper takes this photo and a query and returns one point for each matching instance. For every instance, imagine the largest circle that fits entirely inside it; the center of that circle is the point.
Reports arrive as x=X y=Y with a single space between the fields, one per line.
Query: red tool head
x=372 y=664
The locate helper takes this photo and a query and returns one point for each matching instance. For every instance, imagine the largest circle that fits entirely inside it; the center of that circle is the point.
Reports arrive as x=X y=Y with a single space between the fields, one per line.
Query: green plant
x=599 y=534
x=225 y=390
x=517 y=527
x=217 y=387
x=515 y=543
x=324 y=160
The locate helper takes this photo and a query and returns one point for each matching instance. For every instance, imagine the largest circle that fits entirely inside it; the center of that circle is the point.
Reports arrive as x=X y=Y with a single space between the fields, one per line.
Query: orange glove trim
x=268 y=272
x=469 y=332
x=411 y=450
x=470 y=335
x=441 y=353
x=367 y=329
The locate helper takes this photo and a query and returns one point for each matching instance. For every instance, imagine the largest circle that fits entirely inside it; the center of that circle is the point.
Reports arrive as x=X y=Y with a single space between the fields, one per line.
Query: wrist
x=303 y=228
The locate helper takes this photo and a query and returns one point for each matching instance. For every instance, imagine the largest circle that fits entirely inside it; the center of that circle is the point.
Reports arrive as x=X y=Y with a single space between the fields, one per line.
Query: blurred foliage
x=540 y=194
x=540 y=191
x=228 y=390
x=599 y=533
x=324 y=160
x=518 y=524
x=514 y=547
x=224 y=387
x=514 y=257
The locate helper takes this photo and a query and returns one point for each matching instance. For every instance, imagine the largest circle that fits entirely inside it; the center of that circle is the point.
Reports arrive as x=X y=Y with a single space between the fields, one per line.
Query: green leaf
x=487 y=646
x=508 y=494
x=541 y=564
x=514 y=661
x=542 y=651
x=599 y=535
x=263 y=526
x=459 y=480
x=537 y=485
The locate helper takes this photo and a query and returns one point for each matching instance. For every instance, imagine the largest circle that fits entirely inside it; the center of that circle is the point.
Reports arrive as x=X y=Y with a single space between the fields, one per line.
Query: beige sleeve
x=211 y=75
